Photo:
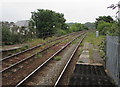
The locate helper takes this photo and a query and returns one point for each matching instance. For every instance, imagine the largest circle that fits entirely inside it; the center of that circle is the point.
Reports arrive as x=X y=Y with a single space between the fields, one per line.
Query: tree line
x=42 y=24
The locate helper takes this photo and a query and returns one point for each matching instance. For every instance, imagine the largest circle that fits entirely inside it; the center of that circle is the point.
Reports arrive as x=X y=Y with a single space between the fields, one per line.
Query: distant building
x=24 y=23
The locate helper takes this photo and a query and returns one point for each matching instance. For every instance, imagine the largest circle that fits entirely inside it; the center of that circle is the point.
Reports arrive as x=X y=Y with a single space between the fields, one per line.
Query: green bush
x=77 y=27
x=26 y=46
x=60 y=32
x=108 y=26
x=103 y=27
x=57 y=58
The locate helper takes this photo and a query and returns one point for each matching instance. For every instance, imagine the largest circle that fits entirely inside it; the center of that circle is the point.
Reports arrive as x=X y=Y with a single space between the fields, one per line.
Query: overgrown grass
x=96 y=42
x=36 y=41
x=76 y=41
x=90 y=54
x=91 y=38
x=24 y=47
x=80 y=51
x=67 y=40
x=38 y=56
x=57 y=58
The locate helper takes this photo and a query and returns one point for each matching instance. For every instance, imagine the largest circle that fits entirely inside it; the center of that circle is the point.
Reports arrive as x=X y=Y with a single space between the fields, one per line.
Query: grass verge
x=91 y=38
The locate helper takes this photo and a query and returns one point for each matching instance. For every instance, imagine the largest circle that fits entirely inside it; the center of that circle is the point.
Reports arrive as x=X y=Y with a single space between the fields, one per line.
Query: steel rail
x=34 y=47
x=50 y=58
x=61 y=74
x=25 y=59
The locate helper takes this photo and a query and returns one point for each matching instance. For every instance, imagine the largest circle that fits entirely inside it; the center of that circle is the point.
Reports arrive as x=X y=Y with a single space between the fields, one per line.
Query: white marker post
x=97 y=33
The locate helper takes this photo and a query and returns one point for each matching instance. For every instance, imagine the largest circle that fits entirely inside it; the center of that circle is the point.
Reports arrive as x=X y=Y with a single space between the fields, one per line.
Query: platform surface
x=86 y=75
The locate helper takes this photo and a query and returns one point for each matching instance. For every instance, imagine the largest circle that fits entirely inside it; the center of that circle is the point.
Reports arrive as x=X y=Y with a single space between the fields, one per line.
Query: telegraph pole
x=119 y=42
x=119 y=10
x=119 y=20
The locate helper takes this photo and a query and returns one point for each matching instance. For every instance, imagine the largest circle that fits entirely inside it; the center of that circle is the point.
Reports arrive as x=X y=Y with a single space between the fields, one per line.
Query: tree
x=90 y=25
x=118 y=22
x=32 y=29
x=10 y=34
x=114 y=29
x=77 y=27
x=47 y=22
x=103 y=27
x=6 y=34
x=108 y=19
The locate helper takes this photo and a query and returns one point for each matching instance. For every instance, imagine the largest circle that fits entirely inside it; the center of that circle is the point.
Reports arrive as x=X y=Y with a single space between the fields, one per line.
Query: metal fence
x=113 y=58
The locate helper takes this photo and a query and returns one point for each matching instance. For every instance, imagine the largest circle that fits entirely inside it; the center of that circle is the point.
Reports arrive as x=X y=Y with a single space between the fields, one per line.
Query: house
x=24 y=23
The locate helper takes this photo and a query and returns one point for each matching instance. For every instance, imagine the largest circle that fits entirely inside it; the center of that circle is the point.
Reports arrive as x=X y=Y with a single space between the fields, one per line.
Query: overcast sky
x=74 y=10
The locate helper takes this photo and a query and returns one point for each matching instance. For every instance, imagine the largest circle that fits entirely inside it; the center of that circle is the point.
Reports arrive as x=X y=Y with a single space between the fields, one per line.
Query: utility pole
x=119 y=43
x=119 y=10
x=119 y=20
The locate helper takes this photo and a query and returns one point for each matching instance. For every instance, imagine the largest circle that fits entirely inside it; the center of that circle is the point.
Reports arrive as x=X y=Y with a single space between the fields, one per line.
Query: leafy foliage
x=77 y=27
x=42 y=24
x=47 y=21
x=108 y=19
x=106 y=25
x=90 y=25
x=60 y=32
x=103 y=27
x=14 y=34
x=114 y=29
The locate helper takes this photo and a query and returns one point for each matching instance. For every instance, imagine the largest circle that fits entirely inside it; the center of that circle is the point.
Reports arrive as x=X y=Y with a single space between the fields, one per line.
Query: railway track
x=13 y=60
x=29 y=49
x=33 y=74
x=19 y=53
x=13 y=71
x=67 y=64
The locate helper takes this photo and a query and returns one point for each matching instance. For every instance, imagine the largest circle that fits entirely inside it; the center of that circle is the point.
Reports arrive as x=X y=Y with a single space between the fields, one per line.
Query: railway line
x=29 y=49
x=40 y=70
x=10 y=61
x=57 y=83
x=25 y=66
x=19 y=53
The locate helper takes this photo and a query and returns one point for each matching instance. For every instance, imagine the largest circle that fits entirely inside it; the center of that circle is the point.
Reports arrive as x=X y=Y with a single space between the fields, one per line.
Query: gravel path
x=85 y=56
x=90 y=54
x=96 y=56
